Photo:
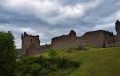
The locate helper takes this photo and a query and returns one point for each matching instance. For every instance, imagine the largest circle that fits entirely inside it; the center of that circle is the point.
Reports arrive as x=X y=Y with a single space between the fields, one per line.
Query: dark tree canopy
x=8 y=54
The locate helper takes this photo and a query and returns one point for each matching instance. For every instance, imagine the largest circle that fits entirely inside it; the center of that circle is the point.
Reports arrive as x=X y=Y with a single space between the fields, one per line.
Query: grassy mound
x=93 y=61
x=45 y=66
x=98 y=62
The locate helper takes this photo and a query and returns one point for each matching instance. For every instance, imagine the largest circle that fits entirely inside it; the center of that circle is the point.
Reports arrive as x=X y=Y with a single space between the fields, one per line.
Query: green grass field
x=93 y=61
x=99 y=62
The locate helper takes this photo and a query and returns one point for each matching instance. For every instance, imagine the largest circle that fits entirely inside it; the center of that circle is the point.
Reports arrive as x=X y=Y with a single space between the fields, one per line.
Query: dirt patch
x=70 y=50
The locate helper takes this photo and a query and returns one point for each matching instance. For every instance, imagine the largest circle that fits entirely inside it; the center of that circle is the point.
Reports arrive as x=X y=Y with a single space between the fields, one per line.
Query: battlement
x=26 y=35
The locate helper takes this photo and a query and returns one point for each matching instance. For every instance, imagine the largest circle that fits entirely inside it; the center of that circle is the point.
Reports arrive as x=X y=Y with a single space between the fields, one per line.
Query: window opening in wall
x=31 y=40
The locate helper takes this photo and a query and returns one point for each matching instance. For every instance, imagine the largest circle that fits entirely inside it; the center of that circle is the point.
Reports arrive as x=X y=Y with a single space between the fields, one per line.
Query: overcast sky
x=51 y=18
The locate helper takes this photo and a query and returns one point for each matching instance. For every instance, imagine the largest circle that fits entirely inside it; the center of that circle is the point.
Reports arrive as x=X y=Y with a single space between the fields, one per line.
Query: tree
x=8 y=54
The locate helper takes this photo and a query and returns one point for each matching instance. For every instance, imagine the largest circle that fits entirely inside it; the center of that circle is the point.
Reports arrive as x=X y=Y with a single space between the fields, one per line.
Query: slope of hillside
x=93 y=61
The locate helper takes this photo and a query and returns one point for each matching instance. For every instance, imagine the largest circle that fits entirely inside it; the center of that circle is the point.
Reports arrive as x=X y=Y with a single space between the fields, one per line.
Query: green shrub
x=53 y=67
x=24 y=56
x=52 y=53
x=43 y=66
x=72 y=64
x=40 y=59
x=46 y=45
x=45 y=71
x=35 y=69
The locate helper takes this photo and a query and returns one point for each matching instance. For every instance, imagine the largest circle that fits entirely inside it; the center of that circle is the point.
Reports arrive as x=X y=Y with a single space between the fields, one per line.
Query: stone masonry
x=99 y=38
x=64 y=40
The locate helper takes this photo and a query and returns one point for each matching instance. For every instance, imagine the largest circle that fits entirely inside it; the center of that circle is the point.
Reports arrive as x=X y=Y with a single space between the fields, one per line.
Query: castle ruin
x=99 y=38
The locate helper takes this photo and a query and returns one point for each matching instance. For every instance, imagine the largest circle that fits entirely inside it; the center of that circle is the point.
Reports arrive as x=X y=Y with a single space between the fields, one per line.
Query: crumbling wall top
x=117 y=27
x=117 y=22
x=97 y=31
x=72 y=32
x=26 y=35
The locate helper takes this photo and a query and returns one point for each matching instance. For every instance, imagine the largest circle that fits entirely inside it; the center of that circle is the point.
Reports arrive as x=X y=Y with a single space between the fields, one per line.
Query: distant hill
x=20 y=52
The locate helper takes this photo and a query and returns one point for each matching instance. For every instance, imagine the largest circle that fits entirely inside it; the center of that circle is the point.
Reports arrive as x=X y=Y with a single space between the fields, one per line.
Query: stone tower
x=117 y=27
x=28 y=40
x=117 y=38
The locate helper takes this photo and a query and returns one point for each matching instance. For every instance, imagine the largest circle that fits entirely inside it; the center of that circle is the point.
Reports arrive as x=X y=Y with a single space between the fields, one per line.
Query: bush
x=43 y=66
x=52 y=53
x=35 y=69
x=46 y=45
x=24 y=56
x=54 y=67
x=45 y=71
x=72 y=64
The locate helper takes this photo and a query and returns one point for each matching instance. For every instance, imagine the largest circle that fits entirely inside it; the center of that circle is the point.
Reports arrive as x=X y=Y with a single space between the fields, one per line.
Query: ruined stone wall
x=44 y=49
x=64 y=40
x=109 y=39
x=100 y=38
x=117 y=41
x=32 y=50
x=31 y=43
x=95 y=38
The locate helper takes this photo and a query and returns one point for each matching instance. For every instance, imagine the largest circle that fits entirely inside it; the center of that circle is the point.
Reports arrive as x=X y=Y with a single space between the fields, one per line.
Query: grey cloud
x=73 y=2
x=91 y=18
x=22 y=19
x=53 y=14
x=104 y=9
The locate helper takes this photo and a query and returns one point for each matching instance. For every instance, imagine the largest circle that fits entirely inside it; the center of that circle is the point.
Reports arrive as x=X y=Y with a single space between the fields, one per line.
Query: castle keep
x=99 y=38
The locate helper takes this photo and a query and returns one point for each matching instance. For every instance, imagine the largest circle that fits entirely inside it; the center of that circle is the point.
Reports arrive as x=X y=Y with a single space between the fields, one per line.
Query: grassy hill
x=93 y=61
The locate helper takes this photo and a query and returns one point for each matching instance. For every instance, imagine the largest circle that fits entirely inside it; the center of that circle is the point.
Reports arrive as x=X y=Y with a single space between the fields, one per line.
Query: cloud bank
x=51 y=18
